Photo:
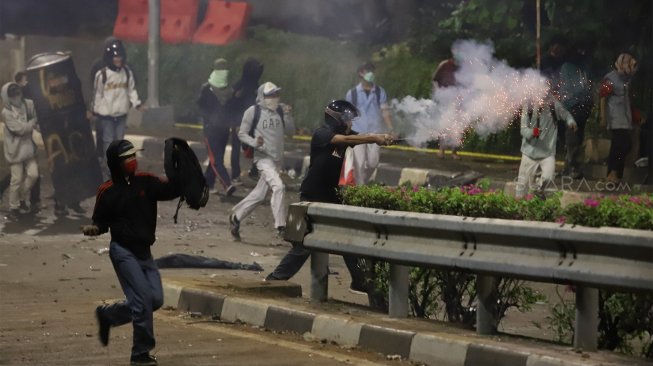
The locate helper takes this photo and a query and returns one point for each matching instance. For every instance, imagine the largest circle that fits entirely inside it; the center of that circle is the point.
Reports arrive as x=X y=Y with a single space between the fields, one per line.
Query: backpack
x=104 y=74
x=181 y=165
x=554 y=115
x=249 y=150
x=354 y=95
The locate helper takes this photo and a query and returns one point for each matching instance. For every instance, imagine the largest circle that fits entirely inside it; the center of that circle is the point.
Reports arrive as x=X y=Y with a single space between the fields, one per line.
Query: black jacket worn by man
x=129 y=207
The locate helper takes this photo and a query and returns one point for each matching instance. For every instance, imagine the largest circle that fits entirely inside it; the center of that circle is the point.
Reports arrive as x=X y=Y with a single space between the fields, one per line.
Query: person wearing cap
x=372 y=102
x=20 y=120
x=126 y=205
x=114 y=93
x=271 y=122
x=328 y=145
x=216 y=110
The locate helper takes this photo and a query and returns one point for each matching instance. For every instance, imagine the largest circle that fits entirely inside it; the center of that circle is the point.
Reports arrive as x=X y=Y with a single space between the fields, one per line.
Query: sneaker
x=234 y=227
x=230 y=190
x=103 y=325
x=357 y=289
x=253 y=172
x=236 y=182
x=35 y=207
x=23 y=206
x=77 y=208
x=281 y=231
x=60 y=210
x=143 y=360
x=13 y=215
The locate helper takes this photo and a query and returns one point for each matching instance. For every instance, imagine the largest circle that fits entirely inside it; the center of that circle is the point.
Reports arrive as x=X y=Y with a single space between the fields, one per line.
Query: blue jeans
x=141 y=282
x=113 y=128
x=216 y=143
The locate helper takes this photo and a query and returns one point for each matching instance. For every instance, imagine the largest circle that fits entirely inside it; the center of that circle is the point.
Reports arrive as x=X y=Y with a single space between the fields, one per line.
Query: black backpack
x=257 y=117
x=181 y=165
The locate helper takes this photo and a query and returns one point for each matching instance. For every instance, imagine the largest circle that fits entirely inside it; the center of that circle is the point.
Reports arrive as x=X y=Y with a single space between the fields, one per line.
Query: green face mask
x=219 y=78
x=369 y=77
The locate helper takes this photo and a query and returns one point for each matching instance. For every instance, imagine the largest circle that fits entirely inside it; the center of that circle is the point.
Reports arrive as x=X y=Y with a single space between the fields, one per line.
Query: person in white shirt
x=114 y=92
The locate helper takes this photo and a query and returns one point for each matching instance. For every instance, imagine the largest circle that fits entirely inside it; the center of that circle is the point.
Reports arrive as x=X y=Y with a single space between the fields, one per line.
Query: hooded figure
x=216 y=114
x=269 y=123
x=127 y=206
x=245 y=89
x=20 y=150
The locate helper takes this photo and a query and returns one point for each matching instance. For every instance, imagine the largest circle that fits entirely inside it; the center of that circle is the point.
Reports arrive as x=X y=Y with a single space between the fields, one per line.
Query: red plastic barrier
x=131 y=22
x=178 y=20
x=225 y=21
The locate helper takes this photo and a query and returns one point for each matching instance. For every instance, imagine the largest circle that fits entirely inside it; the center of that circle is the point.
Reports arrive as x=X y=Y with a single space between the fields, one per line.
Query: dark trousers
x=235 y=154
x=34 y=194
x=293 y=261
x=141 y=282
x=574 y=139
x=216 y=143
x=619 y=148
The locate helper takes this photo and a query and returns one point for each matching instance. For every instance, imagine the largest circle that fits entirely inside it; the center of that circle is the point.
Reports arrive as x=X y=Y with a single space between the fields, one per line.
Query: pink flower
x=591 y=202
x=528 y=197
x=415 y=188
x=561 y=220
x=635 y=200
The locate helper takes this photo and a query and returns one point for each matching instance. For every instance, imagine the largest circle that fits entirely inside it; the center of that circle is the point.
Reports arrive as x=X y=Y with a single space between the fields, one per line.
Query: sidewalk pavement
x=278 y=306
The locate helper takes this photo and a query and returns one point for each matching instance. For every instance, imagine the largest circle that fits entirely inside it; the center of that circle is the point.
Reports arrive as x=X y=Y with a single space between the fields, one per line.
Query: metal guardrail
x=590 y=258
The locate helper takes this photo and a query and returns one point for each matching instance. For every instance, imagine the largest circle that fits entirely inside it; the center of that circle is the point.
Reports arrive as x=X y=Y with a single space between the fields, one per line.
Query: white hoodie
x=270 y=127
x=113 y=95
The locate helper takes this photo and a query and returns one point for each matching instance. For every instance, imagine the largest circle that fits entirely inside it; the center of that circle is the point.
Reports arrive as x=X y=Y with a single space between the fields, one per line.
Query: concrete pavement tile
x=246 y=311
x=415 y=176
x=437 y=350
x=341 y=331
x=385 y=340
x=289 y=320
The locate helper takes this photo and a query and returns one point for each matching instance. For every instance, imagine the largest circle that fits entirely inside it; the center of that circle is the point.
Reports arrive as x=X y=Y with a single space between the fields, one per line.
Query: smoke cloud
x=486 y=98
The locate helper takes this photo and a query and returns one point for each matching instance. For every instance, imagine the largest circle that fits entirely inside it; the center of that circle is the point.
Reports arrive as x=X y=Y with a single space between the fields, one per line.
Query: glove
x=91 y=230
x=536 y=132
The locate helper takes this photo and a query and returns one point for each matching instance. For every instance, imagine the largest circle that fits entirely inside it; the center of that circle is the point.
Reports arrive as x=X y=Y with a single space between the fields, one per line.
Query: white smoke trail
x=487 y=96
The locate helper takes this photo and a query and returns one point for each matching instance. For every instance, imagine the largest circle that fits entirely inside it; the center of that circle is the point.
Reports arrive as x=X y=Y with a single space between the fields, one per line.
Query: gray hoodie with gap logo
x=270 y=127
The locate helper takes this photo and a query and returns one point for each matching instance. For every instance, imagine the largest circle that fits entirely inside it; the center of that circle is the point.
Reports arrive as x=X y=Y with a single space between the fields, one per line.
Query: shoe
x=103 y=325
x=77 y=208
x=234 y=227
x=23 y=206
x=253 y=172
x=358 y=289
x=230 y=190
x=60 y=210
x=35 y=207
x=13 y=215
x=281 y=231
x=236 y=182
x=143 y=360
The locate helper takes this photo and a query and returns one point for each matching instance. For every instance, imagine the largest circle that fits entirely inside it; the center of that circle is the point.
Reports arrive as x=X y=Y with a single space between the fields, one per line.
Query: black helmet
x=337 y=113
x=113 y=49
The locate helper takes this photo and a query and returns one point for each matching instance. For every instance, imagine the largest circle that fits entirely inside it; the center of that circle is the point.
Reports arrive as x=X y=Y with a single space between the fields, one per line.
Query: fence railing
x=589 y=258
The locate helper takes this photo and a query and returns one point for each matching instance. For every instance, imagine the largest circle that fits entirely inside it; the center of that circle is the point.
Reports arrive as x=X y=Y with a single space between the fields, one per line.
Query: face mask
x=271 y=103
x=129 y=167
x=369 y=77
x=219 y=78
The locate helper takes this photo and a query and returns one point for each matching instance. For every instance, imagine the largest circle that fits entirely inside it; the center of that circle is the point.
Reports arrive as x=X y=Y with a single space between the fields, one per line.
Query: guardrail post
x=587 y=318
x=486 y=289
x=398 y=307
x=319 y=276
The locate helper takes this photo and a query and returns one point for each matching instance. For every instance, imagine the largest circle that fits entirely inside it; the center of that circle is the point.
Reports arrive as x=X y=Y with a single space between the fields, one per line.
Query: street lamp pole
x=153 y=54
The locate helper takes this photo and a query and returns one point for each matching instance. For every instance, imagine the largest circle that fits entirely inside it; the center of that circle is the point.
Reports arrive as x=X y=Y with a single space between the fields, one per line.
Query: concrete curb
x=431 y=349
